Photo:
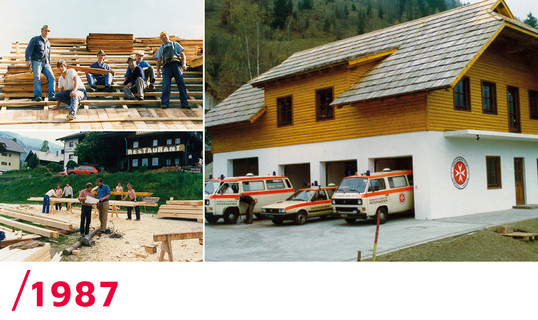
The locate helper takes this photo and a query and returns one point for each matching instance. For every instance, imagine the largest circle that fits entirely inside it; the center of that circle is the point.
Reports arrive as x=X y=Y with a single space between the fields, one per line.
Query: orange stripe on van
x=259 y=193
x=379 y=193
x=224 y=196
x=308 y=204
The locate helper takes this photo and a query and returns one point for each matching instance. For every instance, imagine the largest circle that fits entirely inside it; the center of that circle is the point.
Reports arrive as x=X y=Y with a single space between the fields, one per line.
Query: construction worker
x=95 y=79
x=71 y=89
x=134 y=79
x=37 y=56
x=103 y=194
x=172 y=56
x=85 y=209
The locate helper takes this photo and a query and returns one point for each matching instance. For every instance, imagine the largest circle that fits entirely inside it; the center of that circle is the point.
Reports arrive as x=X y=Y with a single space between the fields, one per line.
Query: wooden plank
x=5 y=243
x=22 y=103
x=59 y=120
x=178 y=236
x=26 y=227
x=35 y=254
x=34 y=214
x=41 y=221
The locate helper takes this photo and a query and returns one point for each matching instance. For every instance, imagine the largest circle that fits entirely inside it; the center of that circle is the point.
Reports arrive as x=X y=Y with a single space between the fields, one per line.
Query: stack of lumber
x=102 y=110
x=182 y=209
x=12 y=236
x=109 y=42
x=40 y=253
x=34 y=218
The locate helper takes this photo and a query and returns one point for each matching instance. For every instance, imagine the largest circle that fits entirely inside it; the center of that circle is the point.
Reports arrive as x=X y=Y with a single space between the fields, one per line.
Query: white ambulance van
x=231 y=199
x=368 y=195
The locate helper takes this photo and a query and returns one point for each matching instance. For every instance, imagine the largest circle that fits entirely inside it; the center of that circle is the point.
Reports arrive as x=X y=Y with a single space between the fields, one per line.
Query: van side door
x=400 y=196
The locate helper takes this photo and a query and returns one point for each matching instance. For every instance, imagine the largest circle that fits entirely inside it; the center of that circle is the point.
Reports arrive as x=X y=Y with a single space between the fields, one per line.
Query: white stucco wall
x=432 y=153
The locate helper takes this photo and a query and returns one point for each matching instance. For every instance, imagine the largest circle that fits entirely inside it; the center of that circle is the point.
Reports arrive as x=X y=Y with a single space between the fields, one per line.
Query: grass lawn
x=484 y=245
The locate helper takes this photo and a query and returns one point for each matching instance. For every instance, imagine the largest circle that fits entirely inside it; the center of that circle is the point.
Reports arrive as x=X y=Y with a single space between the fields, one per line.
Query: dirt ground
x=484 y=245
x=128 y=239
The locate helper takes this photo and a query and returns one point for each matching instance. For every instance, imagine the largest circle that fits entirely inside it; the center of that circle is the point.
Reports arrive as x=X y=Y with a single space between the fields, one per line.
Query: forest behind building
x=245 y=38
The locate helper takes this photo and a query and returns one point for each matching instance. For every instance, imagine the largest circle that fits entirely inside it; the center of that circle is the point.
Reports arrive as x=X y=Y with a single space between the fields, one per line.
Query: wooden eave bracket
x=258 y=115
x=371 y=57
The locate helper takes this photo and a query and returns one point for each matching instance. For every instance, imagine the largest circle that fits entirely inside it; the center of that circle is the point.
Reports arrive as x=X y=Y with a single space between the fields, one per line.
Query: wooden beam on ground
x=36 y=254
x=110 y=202
x=186 y=202
x=41 y=221
x=77 y=244
x=33 y=229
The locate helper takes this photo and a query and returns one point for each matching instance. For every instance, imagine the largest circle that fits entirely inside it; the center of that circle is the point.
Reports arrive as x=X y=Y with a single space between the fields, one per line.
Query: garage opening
x=299 y=174
x=399 y=163
x=246 y=165
x=335 y=171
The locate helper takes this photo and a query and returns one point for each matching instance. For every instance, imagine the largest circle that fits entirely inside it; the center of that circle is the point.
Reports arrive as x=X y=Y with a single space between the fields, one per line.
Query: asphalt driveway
x=335 y=240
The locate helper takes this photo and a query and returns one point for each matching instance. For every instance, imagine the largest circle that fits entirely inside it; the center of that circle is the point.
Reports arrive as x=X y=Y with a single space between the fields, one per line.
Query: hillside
x=246 y=38
x=17 y=186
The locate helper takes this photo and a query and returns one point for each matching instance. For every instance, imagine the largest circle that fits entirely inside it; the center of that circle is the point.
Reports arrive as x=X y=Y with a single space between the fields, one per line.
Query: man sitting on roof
x=149 y=73
x=71 y=89
x=172 y=56
x=134 y=78
x=95 y=79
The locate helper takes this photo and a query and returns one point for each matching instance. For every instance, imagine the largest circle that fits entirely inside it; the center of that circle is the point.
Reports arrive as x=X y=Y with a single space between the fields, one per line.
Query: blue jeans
x=39 y=67
x=64 y=96
x=169 y=71
x=46 y=204
x=93 y=81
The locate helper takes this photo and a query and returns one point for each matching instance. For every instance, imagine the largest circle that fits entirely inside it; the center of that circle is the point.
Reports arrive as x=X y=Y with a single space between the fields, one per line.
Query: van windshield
x=211 y=186
x=352 y=185
x=301 y=195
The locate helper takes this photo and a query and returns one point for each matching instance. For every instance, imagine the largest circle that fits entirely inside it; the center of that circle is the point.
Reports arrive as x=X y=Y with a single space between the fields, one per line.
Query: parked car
x=60 y=174
x=82 y=170
x=303 y=204
x=231 y=198
x=369 y=195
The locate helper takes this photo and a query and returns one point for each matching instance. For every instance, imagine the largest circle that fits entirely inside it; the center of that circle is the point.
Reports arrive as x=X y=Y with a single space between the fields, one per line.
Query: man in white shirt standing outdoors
x=68 y=192
x=71 y=89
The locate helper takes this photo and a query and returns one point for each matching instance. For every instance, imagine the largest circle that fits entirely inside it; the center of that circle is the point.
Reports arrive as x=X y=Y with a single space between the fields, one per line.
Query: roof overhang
x=491 y=135
x=501 y=8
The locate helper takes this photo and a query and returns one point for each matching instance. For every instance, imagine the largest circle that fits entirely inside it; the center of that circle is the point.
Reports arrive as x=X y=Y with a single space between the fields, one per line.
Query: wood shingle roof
x=431 y=53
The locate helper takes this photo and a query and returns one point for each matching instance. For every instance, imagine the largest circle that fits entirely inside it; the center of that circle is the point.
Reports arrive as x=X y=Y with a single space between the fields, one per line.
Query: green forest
x=245 y=38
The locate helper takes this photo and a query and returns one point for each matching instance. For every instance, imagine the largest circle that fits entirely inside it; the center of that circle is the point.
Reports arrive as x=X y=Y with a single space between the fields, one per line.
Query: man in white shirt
x=71 y=89
x=68 y=192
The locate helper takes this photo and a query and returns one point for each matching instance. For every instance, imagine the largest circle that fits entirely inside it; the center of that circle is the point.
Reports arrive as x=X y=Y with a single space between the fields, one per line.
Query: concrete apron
x=335 y=240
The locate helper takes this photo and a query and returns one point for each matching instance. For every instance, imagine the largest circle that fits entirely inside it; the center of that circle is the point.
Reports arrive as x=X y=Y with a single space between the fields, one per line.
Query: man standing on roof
x=149 y=73
x=134 y=78
x=95 y=79
x=172 y=56
x=37 y=56
x=71 y=88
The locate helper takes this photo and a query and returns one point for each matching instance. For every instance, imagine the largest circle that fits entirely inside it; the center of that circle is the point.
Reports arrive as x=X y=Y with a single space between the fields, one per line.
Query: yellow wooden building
x=459 y=87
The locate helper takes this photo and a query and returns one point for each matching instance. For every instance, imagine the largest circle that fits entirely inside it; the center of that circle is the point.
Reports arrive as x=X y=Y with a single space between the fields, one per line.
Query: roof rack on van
x=386 y=170
x=249 y=175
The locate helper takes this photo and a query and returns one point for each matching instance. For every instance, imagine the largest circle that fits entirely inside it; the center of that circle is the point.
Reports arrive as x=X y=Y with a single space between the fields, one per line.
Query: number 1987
x=84 y=297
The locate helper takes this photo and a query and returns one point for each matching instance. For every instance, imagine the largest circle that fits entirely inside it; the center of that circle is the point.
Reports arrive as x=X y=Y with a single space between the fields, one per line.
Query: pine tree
x=531 y=20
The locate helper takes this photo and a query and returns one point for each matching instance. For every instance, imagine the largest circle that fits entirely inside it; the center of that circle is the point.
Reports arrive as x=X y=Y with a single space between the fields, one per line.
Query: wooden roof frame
x=501 y=8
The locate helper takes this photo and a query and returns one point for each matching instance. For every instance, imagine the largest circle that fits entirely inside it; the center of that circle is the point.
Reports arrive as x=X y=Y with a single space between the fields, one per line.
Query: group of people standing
x=139 y=77
x=102 y=194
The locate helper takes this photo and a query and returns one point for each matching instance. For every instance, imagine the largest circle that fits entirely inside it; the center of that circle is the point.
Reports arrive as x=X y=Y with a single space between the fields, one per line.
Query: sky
x=21 y=20
x=519 y=8
x=49 y=135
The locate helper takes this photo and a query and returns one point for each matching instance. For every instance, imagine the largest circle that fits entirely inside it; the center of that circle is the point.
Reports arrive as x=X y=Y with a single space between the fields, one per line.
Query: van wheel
x=212 y=219
x=383 y=212
x=300 y=218
x=230 y=216
x=278 y=221
x=350 y=220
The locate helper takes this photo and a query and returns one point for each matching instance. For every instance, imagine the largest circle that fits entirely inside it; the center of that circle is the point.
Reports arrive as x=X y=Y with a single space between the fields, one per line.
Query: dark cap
x=101 y=52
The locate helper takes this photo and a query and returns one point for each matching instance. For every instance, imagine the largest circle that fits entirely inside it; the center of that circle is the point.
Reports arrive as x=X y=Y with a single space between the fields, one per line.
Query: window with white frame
x=135 y=162
x=155 y=162
x=178 y=140
x=145 y=162
x=135 y=144
x=155 y=142
x=168 y=141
